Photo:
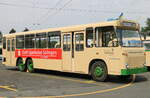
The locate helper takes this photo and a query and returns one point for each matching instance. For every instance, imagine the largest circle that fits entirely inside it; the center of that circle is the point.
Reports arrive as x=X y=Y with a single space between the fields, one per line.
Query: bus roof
x=73 y=28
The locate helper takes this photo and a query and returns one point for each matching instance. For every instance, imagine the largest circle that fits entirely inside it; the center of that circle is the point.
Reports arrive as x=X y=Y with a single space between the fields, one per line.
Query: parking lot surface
x=47 y=84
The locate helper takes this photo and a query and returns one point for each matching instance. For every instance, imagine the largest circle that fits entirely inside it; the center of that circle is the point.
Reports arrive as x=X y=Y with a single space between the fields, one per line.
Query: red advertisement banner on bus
x=39 y=53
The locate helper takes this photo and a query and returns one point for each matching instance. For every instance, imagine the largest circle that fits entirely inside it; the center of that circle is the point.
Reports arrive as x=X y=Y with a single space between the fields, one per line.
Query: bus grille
x=136 y=61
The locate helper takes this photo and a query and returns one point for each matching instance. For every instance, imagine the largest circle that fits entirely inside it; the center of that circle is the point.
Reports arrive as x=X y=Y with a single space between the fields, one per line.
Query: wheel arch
x=92 y=61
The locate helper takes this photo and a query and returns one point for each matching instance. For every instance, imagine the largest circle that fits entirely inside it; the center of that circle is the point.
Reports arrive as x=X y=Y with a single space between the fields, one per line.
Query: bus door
x=67 y=51
x=10 y=51
x=8 y=56
x=79 y=53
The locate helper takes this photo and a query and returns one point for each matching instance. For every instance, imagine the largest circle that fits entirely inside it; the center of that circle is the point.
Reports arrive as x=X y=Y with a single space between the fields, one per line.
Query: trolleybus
x=146 y=44
x=97 y=49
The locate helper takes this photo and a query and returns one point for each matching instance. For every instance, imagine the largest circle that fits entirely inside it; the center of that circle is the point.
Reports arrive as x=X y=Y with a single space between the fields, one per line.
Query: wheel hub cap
x=98 y=71
x=30 y=67
x=21 y=66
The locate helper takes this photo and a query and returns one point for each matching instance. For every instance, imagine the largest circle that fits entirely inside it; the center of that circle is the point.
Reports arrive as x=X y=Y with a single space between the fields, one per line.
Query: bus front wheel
x=99 y=71
x=29 y=65
x=22 y=67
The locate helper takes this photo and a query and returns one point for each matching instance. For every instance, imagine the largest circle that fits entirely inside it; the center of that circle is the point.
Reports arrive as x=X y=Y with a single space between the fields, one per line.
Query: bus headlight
x=127 y=66
x=144 y=64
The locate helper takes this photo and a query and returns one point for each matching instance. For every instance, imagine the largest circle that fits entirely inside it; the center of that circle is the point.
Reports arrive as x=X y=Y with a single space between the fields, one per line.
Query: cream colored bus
x=146 y=44
x=98 y=49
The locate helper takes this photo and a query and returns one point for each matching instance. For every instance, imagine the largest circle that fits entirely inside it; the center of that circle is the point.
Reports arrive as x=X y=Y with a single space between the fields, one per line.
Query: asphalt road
x=47 y=84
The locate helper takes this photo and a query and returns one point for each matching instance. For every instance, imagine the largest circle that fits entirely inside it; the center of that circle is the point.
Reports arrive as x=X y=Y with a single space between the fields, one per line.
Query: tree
x=145 y=31
x=25 y=30
x=1 y=35
x=12 y=31
x=147 y=27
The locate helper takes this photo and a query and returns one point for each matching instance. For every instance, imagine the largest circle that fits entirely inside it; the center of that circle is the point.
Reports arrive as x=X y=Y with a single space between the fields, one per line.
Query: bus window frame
x=8 y=45
x=101 y=40
x=23 y=42
x=67 y=42
x=13 y=44
x=86 y=38
x=4 y=43
x=41 y=35
x=79 y=41
x=28 y=36
x=54 y=33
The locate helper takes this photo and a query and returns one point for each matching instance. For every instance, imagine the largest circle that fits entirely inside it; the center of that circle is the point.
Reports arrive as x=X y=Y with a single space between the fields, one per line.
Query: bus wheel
x=22 y=67
x=99 y=71
x=29 y=65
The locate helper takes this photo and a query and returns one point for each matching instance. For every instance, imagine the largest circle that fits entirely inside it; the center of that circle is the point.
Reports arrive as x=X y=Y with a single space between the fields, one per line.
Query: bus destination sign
x=129 y=24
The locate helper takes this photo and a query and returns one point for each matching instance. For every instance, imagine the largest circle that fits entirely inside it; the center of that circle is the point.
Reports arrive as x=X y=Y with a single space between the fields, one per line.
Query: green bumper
x=147 y=50
x=133 y=71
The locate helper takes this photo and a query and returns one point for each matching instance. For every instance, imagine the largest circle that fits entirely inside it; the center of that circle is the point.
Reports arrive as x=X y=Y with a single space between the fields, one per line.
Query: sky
x=42 y=14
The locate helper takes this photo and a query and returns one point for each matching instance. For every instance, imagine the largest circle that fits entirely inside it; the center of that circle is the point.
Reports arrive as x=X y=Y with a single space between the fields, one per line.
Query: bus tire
x=22 y=67
x=99 y=71
x=29 y=64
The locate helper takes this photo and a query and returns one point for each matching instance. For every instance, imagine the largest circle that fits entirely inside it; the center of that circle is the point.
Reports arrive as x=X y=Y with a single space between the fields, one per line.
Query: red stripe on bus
x=39 y=53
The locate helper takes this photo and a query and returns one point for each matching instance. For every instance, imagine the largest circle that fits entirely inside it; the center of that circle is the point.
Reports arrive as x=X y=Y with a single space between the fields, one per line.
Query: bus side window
x=106 y=37
x=41 y=40
x=30 y=41
x=54 y=40
x=8 y=45
x=79 y=42
x=89 y=37
x=20 y=42
x=66 y=42
x=109 y=39
x=13 y=45
x=4 y=42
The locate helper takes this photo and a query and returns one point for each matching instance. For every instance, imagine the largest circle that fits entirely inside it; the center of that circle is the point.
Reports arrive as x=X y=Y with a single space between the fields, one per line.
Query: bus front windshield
x=129 y=38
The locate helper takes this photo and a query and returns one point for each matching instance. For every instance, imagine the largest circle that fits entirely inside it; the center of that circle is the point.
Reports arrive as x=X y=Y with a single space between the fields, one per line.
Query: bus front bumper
x=133 y=71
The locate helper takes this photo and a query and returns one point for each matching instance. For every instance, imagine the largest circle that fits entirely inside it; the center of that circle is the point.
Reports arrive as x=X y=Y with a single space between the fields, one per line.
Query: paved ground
x=46 y=84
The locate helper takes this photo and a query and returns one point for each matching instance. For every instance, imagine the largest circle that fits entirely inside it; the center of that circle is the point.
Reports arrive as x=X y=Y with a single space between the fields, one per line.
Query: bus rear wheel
x=99 y=71
x=29 y=65
x=22 y=67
